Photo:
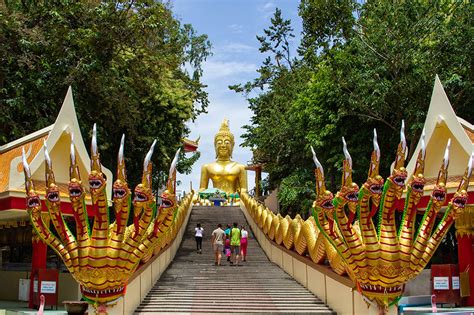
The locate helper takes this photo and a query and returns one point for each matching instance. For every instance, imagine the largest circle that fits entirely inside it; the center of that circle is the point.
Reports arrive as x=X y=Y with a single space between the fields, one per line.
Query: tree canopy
x=361 y=65
x=134 y=69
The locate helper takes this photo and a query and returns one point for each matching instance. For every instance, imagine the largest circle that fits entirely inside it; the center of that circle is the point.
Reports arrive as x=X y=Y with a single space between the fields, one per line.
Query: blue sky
x=232 y=27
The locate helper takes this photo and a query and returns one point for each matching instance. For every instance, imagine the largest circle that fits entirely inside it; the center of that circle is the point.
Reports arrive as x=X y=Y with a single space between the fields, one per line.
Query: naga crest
x=399 y=173
x=374 y=184
x=379 y=257
x=324 y=198
x=416 y=184
x=376 y=254
x=349 y=191
x=103 y=257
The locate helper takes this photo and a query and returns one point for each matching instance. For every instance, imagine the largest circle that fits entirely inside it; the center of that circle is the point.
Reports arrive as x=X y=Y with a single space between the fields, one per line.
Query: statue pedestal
x=217 y=201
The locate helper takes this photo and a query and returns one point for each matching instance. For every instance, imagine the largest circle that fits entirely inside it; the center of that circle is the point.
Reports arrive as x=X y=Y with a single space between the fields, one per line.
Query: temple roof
x=10 y=154
x=440 y=125
x=468 y=128
x=190 y=145
x=57 y=137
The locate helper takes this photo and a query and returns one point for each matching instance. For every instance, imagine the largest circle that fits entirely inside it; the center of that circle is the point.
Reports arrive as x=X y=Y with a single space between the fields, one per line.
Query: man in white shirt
x=218 y=237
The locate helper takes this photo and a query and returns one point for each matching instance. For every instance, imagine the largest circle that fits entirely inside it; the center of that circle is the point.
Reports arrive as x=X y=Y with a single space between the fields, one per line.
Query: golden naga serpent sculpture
x=103 y=258
x=355 y=229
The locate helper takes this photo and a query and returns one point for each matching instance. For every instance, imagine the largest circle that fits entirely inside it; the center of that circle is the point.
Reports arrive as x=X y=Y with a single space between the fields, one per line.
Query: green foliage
x=125 y=61
x=296 y=193
x=326 y=24
x=276 y=39
x=363 y=65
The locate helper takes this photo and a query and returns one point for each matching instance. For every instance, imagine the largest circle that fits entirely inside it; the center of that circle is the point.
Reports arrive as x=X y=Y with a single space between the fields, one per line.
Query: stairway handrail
x=174 y=229
x=287 y=234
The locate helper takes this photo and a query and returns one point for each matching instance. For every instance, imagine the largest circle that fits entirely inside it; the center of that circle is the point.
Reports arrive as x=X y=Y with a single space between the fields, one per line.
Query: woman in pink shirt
x=243 y=243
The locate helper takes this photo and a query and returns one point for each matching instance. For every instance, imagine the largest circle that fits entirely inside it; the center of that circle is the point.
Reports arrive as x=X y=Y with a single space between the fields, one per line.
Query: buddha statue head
x=224 y=142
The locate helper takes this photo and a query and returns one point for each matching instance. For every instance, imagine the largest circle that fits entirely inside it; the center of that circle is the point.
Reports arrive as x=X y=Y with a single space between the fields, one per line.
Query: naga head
x=439 y=191
x=143 y=191
x=459 y=199
x=120 y=189
x=96 y=177
x=349 y=190
x=374 y=182
x=324 y=198
x=76 y=192
x=168 y=197
x=417 y=182
x=399 y=173
x=101 y=257
x=32 y=198
x=52 y=190
x=382 y=269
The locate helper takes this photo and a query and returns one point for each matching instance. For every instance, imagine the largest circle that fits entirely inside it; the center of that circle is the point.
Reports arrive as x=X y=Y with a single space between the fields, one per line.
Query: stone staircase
x=193 y=284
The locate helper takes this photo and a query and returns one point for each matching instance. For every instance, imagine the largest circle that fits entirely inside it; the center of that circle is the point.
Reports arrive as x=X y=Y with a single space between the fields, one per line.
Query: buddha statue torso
x=225 y=174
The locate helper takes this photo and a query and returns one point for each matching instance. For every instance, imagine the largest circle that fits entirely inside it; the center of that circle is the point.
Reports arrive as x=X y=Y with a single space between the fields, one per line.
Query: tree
x=281 y=78
x=387 y=63
x=362 y=65
x=125 y=61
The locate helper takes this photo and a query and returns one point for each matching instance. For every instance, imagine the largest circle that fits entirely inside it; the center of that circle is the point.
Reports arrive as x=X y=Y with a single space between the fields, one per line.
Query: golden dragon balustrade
x=355 y=230
x=103 y=258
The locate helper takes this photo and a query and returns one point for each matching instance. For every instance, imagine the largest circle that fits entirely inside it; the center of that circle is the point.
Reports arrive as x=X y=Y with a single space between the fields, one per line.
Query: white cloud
x=236 y=28
x=267 y=9
x=269 y=6
x=218 y=69
x=235 y=48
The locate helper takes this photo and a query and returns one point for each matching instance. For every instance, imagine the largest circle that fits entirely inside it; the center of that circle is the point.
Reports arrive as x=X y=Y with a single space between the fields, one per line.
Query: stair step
x=193 y=284
x=240 y=308
x=203 y=311
x=249 y=299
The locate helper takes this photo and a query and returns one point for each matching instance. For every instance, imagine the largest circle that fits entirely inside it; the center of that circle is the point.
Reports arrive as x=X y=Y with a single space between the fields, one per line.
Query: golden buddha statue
x=225 y=174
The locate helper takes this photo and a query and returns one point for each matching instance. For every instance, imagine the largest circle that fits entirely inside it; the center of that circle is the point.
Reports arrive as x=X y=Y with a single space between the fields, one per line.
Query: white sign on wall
x=35 y=286
x=455 y=281
x=48 y=287
x=441 y=283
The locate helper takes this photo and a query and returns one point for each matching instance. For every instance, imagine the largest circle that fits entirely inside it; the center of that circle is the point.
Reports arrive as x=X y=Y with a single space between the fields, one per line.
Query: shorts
x=218 y=247
x=235 y=249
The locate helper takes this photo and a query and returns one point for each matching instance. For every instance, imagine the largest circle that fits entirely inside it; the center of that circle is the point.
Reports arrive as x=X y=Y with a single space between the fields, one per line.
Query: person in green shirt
x=235 y=243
